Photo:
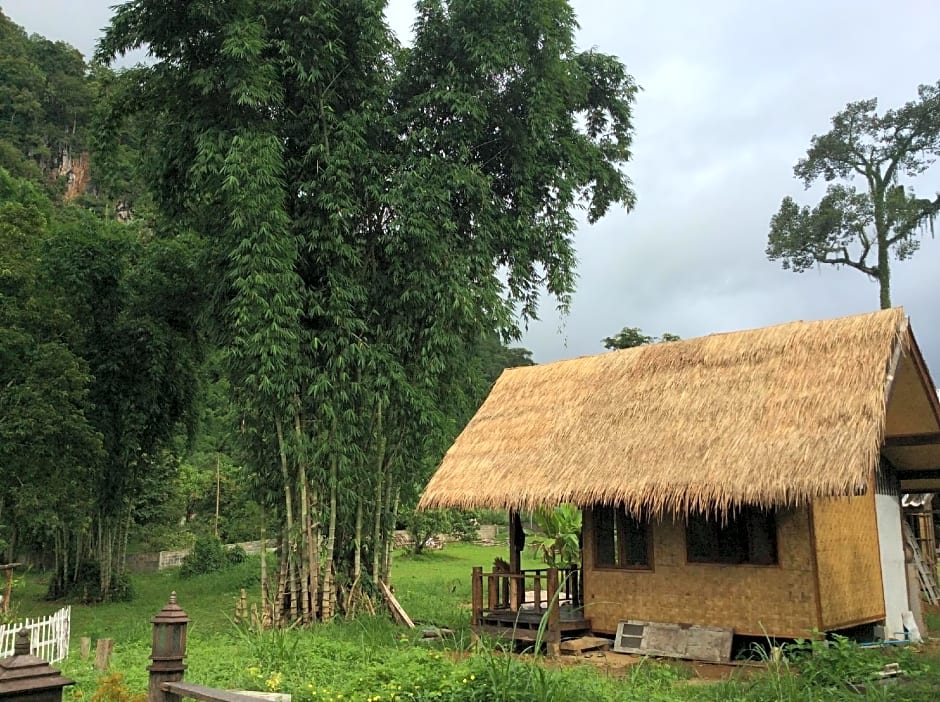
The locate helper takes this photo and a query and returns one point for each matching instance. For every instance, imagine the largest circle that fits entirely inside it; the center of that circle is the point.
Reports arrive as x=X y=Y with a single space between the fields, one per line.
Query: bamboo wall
x=848 y=560
x=753 y=600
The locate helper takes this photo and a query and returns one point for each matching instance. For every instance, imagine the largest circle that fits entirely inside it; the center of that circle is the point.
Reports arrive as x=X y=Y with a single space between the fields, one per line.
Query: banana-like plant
x=558 y=540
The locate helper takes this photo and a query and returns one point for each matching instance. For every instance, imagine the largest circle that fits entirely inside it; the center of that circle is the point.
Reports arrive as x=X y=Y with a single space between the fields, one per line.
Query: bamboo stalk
x=357 y=542
x=328 y=584
x=377 y=551
x=290 y=586
x=306 y=610
x=392 y=499
x=313 y=552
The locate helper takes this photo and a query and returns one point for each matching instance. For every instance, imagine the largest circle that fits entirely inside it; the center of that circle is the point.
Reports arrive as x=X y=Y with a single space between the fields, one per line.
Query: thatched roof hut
x=777 y=416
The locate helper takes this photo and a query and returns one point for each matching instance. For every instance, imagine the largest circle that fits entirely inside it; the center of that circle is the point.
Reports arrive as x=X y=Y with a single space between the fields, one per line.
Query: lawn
x=370 y=659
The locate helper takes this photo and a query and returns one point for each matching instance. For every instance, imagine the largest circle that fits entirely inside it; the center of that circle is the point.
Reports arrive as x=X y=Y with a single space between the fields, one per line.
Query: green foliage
x=209 y=555
x=45 y=100
x=372 y=215
x=423 y=525
x=132 y=303
x=84 y=585
x=831 y=663
x=558 y=540
x=367 y=657
x=464 y=525
x=884 y=218
x=631 y=337
x=45 y=383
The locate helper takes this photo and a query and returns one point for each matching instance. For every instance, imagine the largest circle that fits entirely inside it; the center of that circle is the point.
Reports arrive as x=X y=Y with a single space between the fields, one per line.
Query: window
x=747 y=537
x=620 y=540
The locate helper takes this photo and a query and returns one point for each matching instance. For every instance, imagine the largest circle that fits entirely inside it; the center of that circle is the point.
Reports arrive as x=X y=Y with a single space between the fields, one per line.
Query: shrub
x=464 y=525
x=85 y=587
x=235 y=555
x=111 y=688
x=207 y=556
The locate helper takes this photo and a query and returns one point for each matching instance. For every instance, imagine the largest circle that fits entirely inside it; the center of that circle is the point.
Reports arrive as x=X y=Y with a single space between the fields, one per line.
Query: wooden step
x=585 y=643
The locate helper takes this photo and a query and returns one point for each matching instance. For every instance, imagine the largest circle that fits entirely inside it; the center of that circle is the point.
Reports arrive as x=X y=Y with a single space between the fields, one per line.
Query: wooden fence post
x=103 y=654
x=553 y=630
x=476 y=596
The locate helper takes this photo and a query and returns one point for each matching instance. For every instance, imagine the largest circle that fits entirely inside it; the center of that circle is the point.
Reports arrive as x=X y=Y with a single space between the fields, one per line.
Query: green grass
x=434 y=588
x=370 y=659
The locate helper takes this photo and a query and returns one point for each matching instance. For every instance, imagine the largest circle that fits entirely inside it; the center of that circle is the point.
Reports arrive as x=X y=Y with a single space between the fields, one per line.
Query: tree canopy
x=631 y=337
x=862 y=228
x=371 y=214
x=99 y=335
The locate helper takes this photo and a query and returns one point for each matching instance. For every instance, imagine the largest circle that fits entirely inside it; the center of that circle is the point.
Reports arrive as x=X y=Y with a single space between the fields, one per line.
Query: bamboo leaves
x=371 y=215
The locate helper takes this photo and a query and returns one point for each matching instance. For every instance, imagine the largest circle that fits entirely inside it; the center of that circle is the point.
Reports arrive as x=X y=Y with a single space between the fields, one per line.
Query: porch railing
x=534 y=590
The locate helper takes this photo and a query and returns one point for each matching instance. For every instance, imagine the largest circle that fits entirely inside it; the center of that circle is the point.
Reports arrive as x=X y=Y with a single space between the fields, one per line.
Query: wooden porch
x=538 y=605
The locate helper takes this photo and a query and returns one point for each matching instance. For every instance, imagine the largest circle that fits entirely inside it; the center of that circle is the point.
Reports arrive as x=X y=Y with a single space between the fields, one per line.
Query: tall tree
x=133 y=303
x=363 y=207
x=45 y=426
x=849 y=226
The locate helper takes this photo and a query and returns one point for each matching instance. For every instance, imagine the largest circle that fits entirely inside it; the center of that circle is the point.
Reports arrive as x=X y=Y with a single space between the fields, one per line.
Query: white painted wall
x=893 y=570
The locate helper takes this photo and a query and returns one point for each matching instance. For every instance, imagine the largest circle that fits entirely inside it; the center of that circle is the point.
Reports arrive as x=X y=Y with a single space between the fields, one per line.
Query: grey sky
x=732 y=93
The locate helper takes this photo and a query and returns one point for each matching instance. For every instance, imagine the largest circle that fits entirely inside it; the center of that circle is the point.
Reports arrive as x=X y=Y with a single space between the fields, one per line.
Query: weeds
x=370 y=659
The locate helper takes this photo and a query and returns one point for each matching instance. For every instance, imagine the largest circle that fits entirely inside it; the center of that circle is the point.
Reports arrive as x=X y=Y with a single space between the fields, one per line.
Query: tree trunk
x=306 y=611
x=122 y=557
x=884 y=275
x=882 y=230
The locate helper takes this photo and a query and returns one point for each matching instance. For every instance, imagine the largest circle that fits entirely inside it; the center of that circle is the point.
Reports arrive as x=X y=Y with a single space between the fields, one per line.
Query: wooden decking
x=532 y=605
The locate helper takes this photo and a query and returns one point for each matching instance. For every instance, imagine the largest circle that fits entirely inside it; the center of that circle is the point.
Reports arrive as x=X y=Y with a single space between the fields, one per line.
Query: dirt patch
x=692 y=671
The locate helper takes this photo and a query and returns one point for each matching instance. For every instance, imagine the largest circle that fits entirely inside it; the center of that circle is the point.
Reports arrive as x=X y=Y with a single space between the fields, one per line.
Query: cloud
x=733 y=91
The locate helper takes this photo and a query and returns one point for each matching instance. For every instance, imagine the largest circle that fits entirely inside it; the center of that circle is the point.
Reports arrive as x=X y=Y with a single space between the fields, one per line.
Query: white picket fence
x=48 y=636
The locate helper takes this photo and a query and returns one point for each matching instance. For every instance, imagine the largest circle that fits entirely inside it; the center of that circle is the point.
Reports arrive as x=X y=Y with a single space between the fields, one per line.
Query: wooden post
x=476 y=597
x=537 y=590
x=103 y=653
x=516 y=541
x=8 y=591
x=492 y=592
x=553 y=630
x=85 y=647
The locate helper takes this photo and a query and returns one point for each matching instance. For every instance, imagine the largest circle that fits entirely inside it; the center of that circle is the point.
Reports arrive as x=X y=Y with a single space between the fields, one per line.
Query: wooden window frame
x=740 y=518
x=622 y=520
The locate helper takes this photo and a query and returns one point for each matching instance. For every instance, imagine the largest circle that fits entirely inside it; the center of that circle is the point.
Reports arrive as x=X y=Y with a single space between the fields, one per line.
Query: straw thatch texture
x=773 y=416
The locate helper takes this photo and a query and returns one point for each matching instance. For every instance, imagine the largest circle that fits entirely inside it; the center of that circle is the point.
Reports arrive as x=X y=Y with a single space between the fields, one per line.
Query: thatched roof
x=773 y=416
